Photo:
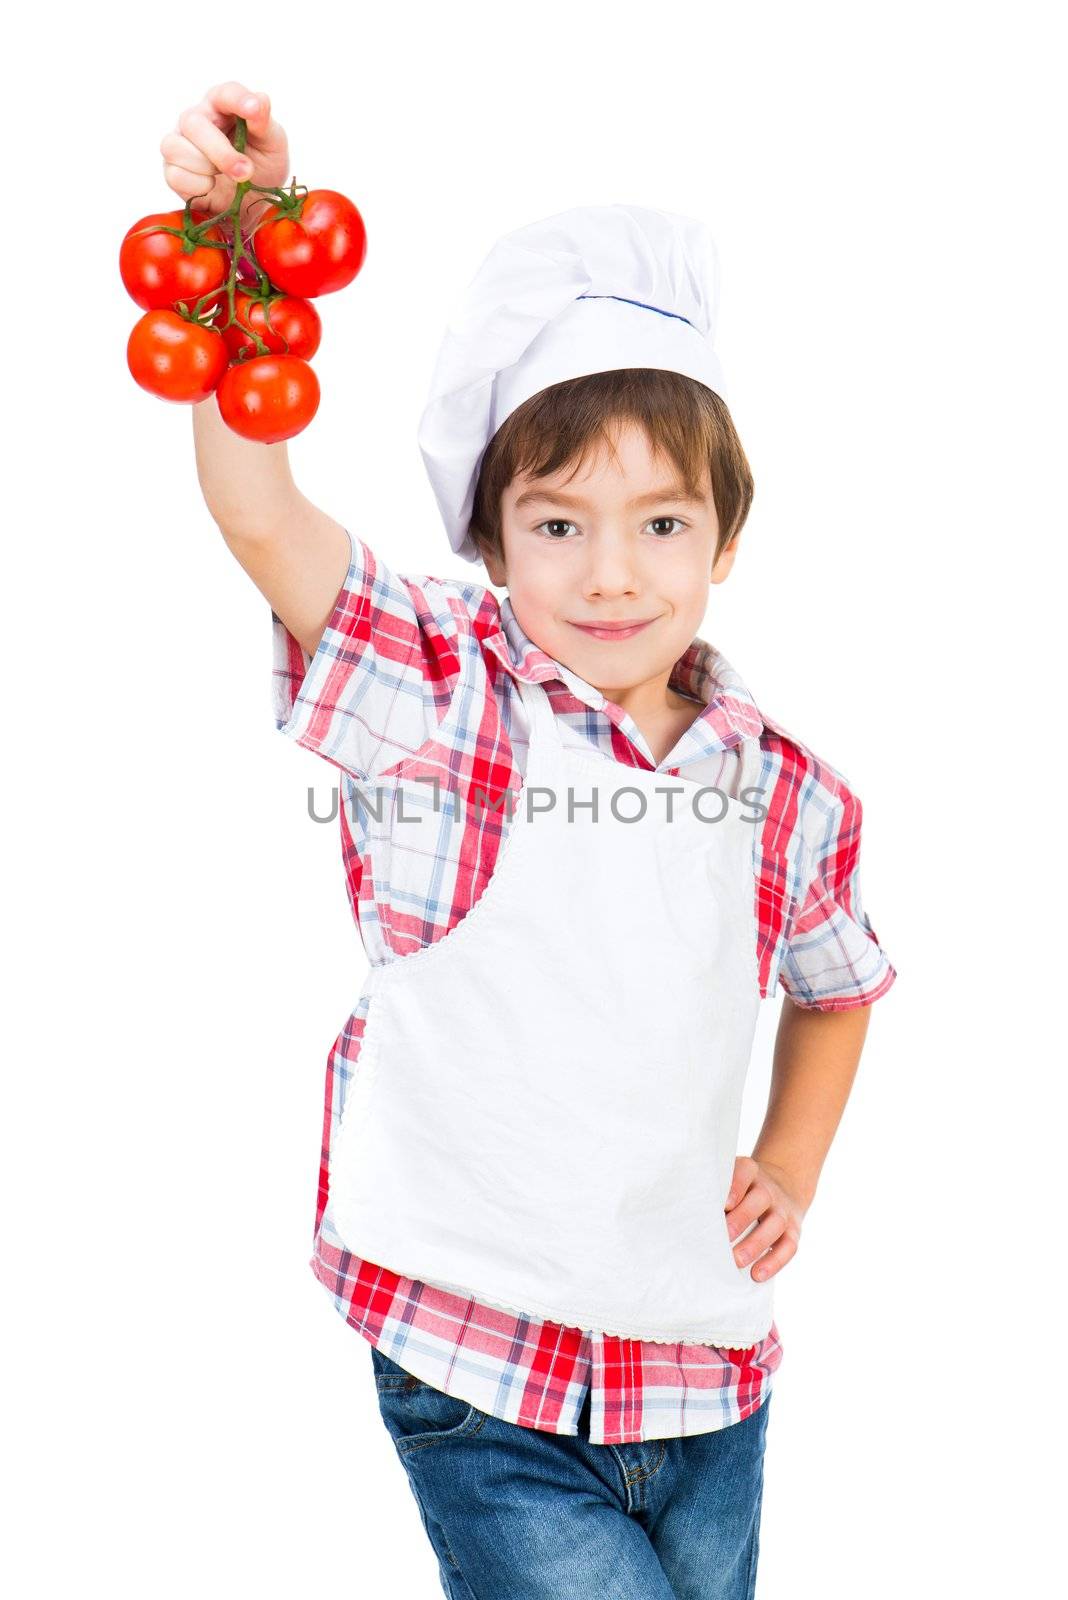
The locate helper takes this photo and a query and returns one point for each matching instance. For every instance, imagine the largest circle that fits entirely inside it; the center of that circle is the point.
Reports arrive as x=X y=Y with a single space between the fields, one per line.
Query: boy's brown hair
x=681 y=417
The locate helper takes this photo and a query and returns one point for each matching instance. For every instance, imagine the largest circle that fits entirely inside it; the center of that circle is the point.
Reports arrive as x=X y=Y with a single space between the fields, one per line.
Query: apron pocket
x=417 y=1415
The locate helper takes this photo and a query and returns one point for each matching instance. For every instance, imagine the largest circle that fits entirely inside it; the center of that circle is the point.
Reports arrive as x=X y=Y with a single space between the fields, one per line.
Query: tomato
x=295 y=326
x=317 y=252
x=175 y=359
x=158 y=271
x=268 y=398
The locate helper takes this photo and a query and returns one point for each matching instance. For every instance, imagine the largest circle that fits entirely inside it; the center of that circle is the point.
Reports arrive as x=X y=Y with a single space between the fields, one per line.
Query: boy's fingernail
x=251 y=103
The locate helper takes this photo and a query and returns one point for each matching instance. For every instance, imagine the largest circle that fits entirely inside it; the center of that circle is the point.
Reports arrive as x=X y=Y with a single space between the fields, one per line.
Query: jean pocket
x=417 y=1415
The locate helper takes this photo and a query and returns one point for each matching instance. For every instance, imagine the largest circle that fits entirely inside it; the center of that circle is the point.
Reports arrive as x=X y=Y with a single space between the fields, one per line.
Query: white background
x=186 y=1413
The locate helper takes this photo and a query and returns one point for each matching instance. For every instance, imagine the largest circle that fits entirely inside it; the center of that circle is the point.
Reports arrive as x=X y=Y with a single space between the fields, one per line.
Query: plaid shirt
x=414 y=680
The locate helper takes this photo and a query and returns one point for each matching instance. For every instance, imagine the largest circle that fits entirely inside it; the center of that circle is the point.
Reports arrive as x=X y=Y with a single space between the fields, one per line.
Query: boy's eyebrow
x=670 y=491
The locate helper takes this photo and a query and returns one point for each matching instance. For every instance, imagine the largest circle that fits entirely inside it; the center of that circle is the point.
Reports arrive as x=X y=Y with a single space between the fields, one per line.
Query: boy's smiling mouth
x=613 y=630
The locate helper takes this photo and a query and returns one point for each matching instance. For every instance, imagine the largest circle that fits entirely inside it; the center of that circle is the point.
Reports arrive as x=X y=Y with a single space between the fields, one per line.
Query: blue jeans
x=515 y=1513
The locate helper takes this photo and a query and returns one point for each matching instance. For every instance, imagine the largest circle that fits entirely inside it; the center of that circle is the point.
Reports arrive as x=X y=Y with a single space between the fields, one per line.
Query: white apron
x=546 y=1105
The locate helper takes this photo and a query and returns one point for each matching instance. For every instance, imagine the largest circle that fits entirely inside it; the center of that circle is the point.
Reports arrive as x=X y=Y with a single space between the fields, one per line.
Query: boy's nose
x=610 y=569
x=611 y=575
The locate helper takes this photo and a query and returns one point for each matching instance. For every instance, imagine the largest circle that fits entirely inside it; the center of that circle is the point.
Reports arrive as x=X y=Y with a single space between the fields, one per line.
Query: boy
x=530 y=1202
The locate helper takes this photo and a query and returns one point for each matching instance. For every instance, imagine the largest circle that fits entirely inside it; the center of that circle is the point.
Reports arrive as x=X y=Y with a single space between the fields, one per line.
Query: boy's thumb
x=256 y=112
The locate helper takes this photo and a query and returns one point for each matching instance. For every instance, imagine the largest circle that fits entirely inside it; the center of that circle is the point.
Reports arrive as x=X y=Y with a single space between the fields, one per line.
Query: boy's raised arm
x=294 y=553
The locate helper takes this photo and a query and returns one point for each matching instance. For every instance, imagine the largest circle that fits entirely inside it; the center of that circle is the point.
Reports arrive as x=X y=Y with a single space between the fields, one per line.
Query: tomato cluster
x=232 y=316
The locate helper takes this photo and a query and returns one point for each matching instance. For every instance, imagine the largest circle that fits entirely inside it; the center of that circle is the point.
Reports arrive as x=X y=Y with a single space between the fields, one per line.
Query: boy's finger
x=235 y=100
x=200 y=129
x=744 y=1211
x=759 y=1239
x=230 y=99
x=266 y=134
x=773 y=1260
x=187 y=185
x=179 y=152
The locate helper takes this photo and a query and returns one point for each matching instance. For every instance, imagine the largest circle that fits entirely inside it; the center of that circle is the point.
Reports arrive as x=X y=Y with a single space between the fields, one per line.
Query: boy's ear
x=495 y=568
x=725 y=560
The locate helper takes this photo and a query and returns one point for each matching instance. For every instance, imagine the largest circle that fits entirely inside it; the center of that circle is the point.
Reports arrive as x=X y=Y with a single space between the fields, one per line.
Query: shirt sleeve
x=370 y=696
x=833 y=960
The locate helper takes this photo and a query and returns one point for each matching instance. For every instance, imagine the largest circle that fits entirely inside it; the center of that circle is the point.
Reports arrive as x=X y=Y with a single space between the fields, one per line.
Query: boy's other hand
x=760 y=1193
x=199 y=160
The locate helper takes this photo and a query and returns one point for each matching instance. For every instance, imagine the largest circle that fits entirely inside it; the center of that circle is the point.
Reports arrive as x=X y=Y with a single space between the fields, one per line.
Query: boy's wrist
x=795 y=1176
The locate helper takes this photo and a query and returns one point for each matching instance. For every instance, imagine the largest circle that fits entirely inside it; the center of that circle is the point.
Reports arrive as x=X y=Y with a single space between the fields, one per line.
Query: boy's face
x=612 y=544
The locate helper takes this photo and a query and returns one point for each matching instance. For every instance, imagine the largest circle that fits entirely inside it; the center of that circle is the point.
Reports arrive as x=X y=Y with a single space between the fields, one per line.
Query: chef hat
x=588 y=290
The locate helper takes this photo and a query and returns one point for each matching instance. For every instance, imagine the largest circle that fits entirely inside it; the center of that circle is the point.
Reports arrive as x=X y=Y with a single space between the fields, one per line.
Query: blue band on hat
x=641 y=303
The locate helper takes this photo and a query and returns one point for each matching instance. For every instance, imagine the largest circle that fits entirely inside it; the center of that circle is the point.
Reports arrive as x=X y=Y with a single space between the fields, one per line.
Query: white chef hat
x=588 y=290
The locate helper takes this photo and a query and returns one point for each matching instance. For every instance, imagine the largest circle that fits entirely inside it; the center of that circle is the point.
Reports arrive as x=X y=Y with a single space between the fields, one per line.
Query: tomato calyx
x=203 y=318
x=264 y=299
x=194 y=235
x=288 y=203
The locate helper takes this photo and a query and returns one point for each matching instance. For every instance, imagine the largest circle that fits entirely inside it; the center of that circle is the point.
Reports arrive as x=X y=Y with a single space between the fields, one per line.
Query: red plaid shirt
x=416 y=675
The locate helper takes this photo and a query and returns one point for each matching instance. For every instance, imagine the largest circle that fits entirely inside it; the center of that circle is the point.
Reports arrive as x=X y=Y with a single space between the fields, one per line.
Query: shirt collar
x=730 y=714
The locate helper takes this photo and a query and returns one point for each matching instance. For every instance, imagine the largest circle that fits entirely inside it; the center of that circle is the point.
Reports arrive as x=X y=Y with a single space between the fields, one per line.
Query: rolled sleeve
x=833 y=960
x=362 y=702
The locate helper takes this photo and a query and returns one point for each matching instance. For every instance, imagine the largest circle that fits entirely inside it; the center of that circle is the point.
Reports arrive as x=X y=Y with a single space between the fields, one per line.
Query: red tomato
x=268 y=398
x=158 y=271
x=316 y=252
x=295 y=327
x=175 y=359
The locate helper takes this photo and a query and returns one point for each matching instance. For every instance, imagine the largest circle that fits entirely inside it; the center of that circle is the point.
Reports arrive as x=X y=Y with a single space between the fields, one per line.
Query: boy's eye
x=559 y=522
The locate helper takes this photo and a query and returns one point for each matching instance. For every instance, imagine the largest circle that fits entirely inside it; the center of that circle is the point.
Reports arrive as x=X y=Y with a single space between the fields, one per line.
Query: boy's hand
x=200 y=161
x=760 y=1191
